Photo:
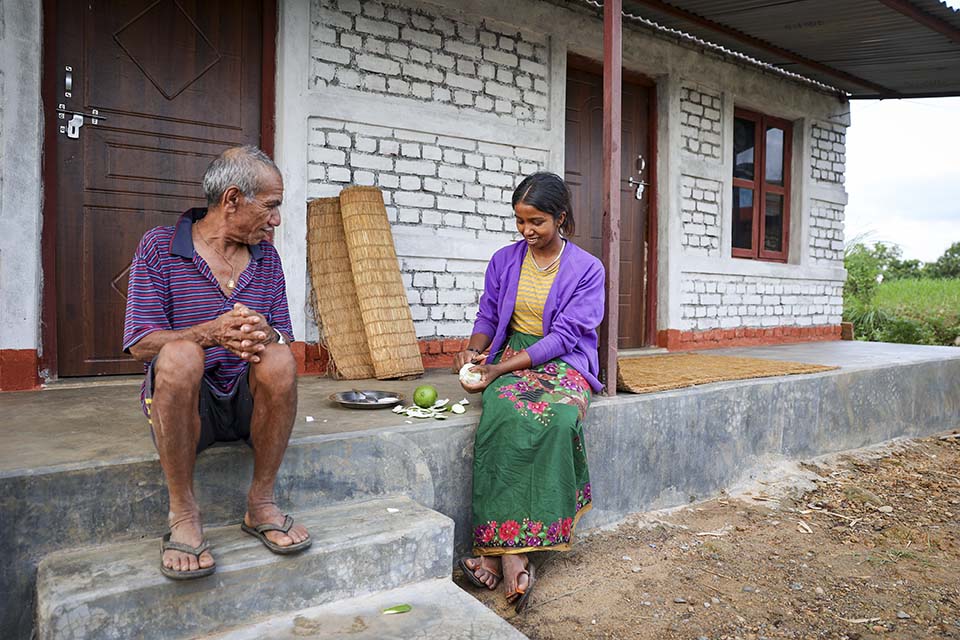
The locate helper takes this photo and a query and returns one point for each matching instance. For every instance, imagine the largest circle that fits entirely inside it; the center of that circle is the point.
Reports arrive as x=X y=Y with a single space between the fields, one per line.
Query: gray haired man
x=207 y=314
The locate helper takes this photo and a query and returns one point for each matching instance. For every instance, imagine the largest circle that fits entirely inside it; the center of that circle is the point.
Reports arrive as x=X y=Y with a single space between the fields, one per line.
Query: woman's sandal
x=169 y=545
x=474 y=580
x=522 y=595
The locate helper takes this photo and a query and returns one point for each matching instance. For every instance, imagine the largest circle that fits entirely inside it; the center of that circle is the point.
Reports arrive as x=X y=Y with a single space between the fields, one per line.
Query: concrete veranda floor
x=73 y=424
x=69 y=423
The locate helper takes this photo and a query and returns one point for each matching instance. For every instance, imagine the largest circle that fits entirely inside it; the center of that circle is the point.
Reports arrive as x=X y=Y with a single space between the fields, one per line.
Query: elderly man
x=207 y=314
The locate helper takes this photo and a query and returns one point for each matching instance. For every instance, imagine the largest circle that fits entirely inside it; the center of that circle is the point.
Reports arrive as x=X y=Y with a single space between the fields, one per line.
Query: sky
x=903 y=173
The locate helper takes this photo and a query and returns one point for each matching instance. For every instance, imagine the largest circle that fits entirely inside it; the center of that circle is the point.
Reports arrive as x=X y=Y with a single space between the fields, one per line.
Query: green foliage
x=919 y=311
x=947 y=265
x=863 y=272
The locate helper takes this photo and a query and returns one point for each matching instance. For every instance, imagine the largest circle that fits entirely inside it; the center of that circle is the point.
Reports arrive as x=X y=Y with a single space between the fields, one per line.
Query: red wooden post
x=612 y=100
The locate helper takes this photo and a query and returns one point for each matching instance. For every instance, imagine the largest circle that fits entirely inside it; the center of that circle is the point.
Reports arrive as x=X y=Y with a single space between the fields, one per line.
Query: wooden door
x=174 y=83
x=584 y=175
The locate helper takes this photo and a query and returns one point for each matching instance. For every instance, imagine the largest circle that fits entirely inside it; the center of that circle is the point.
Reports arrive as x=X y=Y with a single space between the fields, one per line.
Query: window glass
x=743 y=148
x=773 y=222
x=742 y=218
x=774 y=156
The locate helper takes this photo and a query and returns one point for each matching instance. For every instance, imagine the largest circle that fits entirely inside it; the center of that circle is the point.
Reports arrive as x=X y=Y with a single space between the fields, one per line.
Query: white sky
x=903 y=173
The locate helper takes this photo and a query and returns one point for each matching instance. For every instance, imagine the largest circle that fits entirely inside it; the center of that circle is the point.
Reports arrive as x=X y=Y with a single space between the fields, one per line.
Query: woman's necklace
x=552 y=262
x=231 y=283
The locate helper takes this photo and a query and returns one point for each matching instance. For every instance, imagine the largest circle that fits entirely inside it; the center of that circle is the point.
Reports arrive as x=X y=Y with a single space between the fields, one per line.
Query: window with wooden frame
x=761 y=186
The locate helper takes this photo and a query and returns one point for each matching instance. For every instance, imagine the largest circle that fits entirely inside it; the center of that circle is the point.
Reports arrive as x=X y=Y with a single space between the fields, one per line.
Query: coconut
x=468 y=375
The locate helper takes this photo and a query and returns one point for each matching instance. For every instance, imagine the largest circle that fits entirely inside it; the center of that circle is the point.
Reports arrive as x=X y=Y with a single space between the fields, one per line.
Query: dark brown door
x=584 y=174
x=174 y=82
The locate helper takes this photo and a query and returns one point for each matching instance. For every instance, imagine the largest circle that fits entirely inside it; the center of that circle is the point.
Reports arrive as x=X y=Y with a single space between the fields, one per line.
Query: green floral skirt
x=530 y=478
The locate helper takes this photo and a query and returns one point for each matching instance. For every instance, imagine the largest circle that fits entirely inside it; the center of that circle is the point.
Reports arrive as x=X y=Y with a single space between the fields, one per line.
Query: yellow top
x=532 y=296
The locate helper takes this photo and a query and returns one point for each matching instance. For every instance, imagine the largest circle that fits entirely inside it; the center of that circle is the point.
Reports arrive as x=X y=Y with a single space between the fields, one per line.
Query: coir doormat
x=646 y=374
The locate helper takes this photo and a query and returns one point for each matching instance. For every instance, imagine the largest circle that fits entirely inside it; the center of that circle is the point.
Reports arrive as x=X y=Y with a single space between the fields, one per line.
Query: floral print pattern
x=529 y=533
x=536 y=389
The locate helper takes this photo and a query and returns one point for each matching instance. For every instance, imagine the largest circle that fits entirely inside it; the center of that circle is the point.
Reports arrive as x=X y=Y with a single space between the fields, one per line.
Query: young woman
x=542 y=303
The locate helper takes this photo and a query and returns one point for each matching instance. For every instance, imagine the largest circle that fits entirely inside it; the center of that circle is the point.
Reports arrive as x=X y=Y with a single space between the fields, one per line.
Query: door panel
x=584 y=175
x=175 y=82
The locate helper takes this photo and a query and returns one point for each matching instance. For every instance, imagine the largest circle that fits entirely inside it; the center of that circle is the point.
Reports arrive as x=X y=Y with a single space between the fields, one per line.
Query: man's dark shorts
x=223 y=418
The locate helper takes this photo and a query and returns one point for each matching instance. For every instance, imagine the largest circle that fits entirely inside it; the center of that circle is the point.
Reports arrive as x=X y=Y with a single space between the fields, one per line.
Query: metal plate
x=366 y=399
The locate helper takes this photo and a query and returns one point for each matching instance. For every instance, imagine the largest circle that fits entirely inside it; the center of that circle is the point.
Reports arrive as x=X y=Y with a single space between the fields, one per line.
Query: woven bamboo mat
x=647 y=374
x=382 y=297
x=334 y=294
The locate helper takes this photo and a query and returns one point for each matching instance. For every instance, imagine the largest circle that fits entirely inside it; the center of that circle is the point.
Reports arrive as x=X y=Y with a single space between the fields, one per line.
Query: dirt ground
x=854 y=546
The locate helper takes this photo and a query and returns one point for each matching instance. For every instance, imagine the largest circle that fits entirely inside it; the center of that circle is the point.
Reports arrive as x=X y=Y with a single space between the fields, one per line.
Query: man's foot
x=188 y=531
x=516 y=575
x=483 y=571
x=270 y=514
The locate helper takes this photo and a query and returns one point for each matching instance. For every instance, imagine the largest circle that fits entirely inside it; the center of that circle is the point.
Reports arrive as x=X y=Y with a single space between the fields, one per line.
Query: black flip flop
x=525 y=595
x=260 y=531
x=169 y=545
x=474 y=580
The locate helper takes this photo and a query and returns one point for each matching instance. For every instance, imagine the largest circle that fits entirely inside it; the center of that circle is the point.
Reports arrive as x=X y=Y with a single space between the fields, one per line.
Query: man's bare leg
x=273 y=385
x=178 y=373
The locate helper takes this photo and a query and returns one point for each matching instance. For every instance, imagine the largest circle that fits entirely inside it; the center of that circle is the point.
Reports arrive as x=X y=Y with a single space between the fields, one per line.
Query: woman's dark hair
x=548 y=193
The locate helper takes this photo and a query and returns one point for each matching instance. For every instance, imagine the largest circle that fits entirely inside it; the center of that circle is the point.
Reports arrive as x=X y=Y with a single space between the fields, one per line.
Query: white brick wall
x=429 y=182
x=826 y=232
x=712 y=301
x=700 y=203
x=443 y=294
x=700 y=122
x=828 y=152
x=409 y=51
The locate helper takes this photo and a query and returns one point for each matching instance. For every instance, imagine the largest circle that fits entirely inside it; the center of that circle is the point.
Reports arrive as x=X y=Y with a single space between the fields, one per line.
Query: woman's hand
x=462 y=358
x=488 y=373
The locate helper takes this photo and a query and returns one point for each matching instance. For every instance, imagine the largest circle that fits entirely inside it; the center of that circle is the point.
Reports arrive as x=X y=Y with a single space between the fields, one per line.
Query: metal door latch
x=639 y=184
x=72 y=128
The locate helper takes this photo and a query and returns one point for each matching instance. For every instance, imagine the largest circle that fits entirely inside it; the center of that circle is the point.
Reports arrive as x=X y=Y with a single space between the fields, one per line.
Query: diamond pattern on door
x=121 y=283
x=168 y=47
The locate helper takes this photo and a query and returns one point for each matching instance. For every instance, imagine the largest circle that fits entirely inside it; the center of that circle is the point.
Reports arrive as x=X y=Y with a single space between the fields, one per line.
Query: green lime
x=425 y=396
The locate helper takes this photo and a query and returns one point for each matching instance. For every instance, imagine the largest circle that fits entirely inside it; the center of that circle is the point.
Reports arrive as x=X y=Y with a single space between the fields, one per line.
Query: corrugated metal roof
x=864 y=48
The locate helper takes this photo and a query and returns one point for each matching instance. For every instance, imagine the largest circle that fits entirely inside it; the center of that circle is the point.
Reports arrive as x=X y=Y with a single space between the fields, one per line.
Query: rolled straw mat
x=646 y=374
x=334 y=295
x=376 y=275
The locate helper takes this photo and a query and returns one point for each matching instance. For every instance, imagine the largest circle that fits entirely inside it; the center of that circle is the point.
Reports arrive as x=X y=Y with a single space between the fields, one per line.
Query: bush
x=922 y=311
x=863 y=271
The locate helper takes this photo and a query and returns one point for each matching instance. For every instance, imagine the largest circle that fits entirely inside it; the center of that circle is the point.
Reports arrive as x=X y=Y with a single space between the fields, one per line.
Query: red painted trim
x=312 y=358
x=19 y=370
x=677 y=340
x=438 y=353
x=268 y=78
x=760 y=187
x=48 y=231
x=653 y=241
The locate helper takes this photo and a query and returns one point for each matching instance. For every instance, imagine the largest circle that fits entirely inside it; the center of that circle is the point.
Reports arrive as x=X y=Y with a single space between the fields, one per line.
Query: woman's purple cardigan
x=571 y=314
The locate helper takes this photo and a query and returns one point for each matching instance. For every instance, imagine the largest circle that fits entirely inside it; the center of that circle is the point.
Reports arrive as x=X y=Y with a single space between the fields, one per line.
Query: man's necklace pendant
x=231 y=284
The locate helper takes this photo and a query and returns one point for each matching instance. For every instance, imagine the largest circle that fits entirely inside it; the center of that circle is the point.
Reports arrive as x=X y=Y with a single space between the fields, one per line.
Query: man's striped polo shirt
x=172 y=288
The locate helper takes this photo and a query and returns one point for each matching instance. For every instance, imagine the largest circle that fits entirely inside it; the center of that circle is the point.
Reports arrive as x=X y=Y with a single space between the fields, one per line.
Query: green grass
x=921 y=299
x=910 y=312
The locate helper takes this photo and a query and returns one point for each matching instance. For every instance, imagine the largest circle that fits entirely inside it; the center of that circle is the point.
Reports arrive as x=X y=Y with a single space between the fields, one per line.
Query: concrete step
x=440 y=609
x=358 y=548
